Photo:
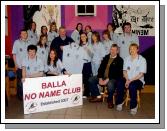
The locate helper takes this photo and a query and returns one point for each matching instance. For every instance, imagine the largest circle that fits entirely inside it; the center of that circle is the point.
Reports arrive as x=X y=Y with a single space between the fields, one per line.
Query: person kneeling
x=32 y=66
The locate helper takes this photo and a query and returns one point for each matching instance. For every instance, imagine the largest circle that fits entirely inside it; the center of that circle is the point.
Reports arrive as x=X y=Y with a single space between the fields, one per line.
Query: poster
x=141 y=17
x=50 y=93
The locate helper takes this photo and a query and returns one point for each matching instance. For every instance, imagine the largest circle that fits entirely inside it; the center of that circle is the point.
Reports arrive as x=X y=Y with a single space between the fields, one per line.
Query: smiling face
x=133 y=50
x=53 y=28
x=113 y=51
x=110 y=28
x=32 y=54
x=33 y=26
x=105 y=37
x=52 y=55
x=87 y=29
x=43 y=40
x=83 y=38
x=44 y=30
x=62 y=32
x=23 y=35
x=127 y=29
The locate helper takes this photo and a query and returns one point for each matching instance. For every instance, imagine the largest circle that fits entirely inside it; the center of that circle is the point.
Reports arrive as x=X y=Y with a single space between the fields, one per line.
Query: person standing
x=125 y=39
x=76 y=33
x=32 y=34
x=61 y=41
x=19 y=52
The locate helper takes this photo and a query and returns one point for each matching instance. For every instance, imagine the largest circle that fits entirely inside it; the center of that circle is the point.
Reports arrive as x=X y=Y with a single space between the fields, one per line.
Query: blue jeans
x=87 y=73
x=19 y=84
x=133 y=87
x=93 y=86
x=116 y=85
x=112 y=85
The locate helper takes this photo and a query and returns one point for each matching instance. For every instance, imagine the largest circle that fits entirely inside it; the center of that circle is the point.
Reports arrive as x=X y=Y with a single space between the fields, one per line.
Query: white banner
x=49 y=93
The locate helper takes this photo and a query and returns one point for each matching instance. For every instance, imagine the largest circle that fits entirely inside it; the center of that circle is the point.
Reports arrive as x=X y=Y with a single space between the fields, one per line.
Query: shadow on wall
x=149 y=54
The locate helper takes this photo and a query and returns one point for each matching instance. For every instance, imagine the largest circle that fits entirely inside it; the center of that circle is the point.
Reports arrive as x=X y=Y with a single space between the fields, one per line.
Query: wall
x=15 y=24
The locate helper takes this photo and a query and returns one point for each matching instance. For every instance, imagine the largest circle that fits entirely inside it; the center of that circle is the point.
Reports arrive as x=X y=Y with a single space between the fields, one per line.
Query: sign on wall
x=141 y=17
x=49 y=93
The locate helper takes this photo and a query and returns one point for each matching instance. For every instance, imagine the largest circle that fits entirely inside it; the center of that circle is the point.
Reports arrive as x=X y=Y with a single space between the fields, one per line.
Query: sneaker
x=134 y=110
x=84 y=97
x=119 y=107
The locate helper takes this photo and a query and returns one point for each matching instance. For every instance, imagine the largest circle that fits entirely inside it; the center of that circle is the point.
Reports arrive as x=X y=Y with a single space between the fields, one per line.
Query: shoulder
x=107 y=57
x=141 y=58
x=126 y=59
x=39 y=60
x=134 y=35
x=119 y=58
x=59 y=61
x=17 y=43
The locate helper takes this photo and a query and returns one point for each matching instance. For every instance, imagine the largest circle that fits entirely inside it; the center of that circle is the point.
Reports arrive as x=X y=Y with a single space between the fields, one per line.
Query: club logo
x=75 y=99
x=31 y=107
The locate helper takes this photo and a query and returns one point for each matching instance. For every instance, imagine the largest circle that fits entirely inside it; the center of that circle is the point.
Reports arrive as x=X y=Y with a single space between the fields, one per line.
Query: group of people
x=113 y=62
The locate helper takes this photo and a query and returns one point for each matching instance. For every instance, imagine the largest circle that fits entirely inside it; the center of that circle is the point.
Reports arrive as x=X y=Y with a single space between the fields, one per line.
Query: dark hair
x=124 y=24
x=97 y=35
x=39 y=43
x=32 y=47
x=107 y=33
x=81 y=40
x=111 y=24
x=31 y=25
x=42 y=28
x=55 y=60
x=81 y=28
x=114 y=45
x=88 y=27
x=53 y=23
x=23 y=30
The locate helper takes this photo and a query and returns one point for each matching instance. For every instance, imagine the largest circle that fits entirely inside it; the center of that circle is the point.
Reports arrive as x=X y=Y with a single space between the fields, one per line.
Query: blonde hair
x=135 y=45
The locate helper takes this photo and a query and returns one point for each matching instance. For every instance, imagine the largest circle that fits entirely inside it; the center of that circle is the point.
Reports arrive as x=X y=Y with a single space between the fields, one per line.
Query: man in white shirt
x=19 y=52
x=32 y=66
x=125 y=39
x=134 y=70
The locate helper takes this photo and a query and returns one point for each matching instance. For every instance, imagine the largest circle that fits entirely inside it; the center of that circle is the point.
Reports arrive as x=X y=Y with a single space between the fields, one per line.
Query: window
x=85 y=10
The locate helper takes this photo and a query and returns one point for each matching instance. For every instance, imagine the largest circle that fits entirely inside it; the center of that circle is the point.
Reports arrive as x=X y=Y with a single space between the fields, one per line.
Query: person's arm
x=14 y=59
x=142 y=69
x=73 y=35
x=126 y=77
x=23 y=73
x=140 y=75
x=102 y=68
x=38 y=74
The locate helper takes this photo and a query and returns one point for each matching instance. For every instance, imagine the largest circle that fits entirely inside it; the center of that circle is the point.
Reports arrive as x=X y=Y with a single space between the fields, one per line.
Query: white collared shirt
x=52 y=35
x=107 y=46
x=42 y=53
x=76 y=36
x=33 y=65
x=20 y=50
x=57 y=70
x=98 y=52
x=32 y=37
x=135 y=66
x=124 y=41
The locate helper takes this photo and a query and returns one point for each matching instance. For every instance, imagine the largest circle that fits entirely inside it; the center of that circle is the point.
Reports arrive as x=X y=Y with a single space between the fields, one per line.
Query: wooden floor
x=88 y=110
